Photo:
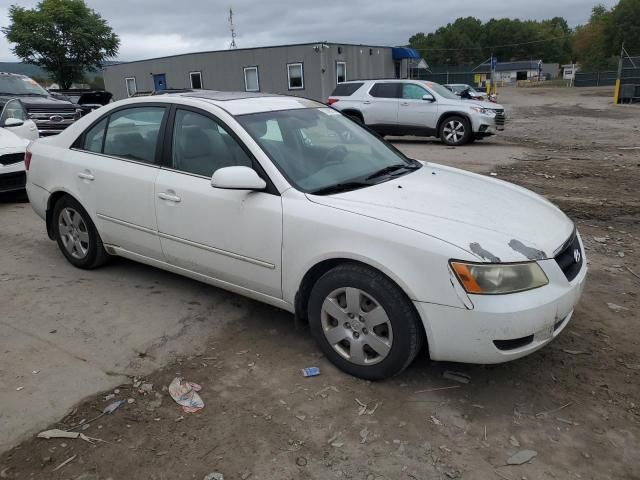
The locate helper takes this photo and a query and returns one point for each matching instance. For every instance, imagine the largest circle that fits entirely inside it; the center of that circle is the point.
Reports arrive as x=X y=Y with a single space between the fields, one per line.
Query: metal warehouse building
x=309 y=70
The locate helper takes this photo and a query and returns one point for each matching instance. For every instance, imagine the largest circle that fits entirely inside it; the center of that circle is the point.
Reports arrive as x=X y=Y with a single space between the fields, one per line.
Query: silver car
x=417 y=107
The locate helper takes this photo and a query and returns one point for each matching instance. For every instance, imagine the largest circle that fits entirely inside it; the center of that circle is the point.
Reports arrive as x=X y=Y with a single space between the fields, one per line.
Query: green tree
x=623 y=25
x=468 y=40
x=592 y=43
x=65 y=37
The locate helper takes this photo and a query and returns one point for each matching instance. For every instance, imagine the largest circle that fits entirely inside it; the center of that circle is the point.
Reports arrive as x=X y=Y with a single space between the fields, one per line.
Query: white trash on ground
x=185 y=394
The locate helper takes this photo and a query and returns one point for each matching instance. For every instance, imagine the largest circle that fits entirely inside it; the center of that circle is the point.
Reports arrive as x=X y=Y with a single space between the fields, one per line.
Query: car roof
x=242 y=103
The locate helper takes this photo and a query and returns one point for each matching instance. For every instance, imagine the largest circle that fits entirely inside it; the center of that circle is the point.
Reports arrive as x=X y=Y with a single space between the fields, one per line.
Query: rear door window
x=385 y=90
x=133 y=133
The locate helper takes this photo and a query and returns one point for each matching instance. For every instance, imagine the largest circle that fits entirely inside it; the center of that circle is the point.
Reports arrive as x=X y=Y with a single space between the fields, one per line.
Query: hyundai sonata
x=291 y=203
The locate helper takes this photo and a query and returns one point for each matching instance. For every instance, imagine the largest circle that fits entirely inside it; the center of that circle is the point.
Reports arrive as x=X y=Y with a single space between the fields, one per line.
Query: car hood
x=491 y=219
x=33 y=101
x=10 y=142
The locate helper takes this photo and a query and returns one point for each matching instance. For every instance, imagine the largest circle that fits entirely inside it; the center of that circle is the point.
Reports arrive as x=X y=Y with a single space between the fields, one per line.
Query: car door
x=415 y=111
x=116 y=162
x=230 y=235
x=14 y=109
x=380 y=107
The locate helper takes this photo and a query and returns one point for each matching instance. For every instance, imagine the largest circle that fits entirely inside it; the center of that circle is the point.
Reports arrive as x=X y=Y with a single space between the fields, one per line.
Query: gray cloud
x=163 y=27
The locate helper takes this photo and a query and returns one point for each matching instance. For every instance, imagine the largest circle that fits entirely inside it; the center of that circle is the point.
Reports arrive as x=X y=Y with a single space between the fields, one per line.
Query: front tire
x=363 y=322
x=455 y=131
x=76 y=235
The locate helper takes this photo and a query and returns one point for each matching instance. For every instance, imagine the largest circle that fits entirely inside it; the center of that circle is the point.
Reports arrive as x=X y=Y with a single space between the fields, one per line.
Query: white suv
x=417 y=107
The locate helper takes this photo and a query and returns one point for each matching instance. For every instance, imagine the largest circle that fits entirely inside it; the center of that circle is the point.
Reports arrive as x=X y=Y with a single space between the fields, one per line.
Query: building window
x=341 y=72
x=131 y=86
x=295 y=74
x=196 y=79
x=251 y=80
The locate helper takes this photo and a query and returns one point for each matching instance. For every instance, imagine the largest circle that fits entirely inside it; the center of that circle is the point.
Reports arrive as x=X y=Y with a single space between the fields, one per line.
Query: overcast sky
x=152 y=28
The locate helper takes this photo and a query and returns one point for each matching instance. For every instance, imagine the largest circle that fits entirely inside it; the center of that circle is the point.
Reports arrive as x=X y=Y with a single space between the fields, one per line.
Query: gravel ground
x=575 y=403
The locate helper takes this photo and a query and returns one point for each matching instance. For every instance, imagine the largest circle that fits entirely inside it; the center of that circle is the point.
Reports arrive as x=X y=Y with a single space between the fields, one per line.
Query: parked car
x=291 y=203
x=51 y=115
x=466 y=91
x=86 y=100
x=16 y=131
x=416 y=107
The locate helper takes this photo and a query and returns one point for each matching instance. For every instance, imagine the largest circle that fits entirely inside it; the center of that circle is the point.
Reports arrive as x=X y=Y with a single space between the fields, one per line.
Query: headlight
x=495 y=278
x=484 y=111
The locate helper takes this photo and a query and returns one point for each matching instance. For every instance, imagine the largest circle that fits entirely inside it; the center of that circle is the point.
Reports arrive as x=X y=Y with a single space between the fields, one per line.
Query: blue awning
x=398 y=53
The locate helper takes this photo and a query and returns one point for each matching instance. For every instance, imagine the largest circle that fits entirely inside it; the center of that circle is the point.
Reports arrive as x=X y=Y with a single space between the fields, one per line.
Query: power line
x=492 y=47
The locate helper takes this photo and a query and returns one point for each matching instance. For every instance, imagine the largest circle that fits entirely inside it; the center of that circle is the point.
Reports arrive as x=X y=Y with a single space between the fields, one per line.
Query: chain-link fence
x=595 y=79
x=628 y=89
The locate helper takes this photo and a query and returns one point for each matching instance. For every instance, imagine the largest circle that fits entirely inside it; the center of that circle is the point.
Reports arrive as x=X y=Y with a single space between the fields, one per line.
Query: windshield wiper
x=391 y=169
x=341 y=187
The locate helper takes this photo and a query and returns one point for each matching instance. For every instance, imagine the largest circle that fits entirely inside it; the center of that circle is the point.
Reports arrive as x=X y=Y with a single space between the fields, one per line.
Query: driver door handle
x=86 y=176
x=169 y=197
x=366 y=102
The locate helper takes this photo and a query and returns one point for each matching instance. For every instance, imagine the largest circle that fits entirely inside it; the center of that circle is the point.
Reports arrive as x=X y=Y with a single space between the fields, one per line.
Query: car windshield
x=462 y=88
x=441 y=90
x=321 y=151
x=17 y=85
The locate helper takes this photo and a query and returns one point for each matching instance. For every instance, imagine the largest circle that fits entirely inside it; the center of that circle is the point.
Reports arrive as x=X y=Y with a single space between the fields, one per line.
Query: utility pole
x=233 y=30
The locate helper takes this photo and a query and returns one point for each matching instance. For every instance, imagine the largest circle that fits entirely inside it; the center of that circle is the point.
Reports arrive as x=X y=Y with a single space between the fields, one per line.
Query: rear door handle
x=86 y=176
x=405 y=104
x=169 y=197
x=366 y=102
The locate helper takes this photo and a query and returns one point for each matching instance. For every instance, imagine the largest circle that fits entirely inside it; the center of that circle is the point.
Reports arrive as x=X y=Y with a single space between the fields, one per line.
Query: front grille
x=50 y=122
x=571 y=257
x=500 y=117
x=10 y=182
x=11 y=158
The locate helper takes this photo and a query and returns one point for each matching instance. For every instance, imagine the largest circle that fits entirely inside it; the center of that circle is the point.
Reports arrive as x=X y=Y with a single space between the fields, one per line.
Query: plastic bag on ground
x=185 y=394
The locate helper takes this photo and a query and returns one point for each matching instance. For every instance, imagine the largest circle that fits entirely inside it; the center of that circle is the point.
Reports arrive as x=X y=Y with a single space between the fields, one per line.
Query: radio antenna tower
x=233 y=30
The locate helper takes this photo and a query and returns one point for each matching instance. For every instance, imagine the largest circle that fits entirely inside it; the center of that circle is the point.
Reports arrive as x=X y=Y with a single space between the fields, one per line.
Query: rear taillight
x=27 y=159
x=331 y=101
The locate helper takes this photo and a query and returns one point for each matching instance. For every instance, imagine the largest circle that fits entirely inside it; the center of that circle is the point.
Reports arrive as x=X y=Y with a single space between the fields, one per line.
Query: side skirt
x=260 y=297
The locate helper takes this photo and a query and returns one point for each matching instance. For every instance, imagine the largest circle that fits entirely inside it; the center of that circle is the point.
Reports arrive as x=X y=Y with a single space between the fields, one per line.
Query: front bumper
x=500 y=328
x=488 y=124
x=12 y=177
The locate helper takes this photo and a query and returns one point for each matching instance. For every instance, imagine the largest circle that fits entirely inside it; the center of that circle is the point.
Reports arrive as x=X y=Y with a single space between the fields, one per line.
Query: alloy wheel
x=73 y=233
x=454 y=131
x=356 y=326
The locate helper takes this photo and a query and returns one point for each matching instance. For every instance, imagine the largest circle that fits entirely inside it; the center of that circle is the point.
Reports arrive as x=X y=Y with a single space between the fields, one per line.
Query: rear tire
x=455 y=131
x=363 y=322
x=77 y=237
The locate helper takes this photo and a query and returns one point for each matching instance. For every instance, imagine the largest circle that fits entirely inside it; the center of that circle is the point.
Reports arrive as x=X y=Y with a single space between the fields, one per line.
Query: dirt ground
x=576 y=403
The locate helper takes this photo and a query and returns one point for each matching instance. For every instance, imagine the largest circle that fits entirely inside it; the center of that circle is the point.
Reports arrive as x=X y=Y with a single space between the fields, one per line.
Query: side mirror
x=428 y=98
x=237 y=178
x=13 y=122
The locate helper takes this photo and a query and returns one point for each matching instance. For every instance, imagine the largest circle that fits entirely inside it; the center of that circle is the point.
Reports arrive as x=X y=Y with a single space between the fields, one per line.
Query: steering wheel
x=338 y=149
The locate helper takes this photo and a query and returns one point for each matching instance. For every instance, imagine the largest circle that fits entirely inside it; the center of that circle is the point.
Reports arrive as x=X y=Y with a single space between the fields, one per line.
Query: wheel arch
x=446 y=115
x=51 y=204
x=353 y=112
x=322 y=266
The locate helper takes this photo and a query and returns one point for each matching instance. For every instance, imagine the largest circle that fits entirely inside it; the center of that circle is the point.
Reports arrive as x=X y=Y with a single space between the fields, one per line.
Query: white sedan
x=16 y=131
x=291 y=203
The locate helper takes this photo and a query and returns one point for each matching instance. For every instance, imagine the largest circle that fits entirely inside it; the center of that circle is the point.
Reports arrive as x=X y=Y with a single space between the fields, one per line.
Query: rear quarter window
x=346 y=89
